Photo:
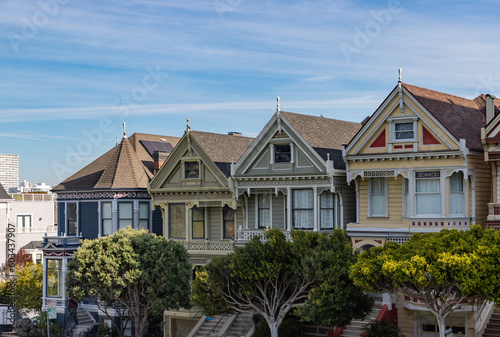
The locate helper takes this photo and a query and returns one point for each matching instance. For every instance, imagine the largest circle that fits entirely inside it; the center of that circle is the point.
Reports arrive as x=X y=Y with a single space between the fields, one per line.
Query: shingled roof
x=127 y=165
x=462 y=117
x=222 y=149
x=324 y=135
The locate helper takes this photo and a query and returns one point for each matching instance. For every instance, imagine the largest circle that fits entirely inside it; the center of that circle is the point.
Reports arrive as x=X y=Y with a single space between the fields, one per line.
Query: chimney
x=235 y=133
x=158 y=158
x=490 y=108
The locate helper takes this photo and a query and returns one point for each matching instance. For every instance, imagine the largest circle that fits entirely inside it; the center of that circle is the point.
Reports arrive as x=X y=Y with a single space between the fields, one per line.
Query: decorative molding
x=104 y=195
x=372 y=174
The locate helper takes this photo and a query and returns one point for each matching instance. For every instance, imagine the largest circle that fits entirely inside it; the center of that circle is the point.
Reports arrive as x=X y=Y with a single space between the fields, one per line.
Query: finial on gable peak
x=124 y=130
x=278 y=104
x=400 y=71
x=187 y=124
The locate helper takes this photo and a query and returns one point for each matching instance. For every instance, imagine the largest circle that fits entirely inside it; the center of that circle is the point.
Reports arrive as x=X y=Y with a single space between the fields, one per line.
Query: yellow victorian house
x=417 y=165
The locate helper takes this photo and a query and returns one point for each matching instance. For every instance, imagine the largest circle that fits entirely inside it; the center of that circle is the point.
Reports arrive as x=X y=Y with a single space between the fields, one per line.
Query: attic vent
x=280 y=134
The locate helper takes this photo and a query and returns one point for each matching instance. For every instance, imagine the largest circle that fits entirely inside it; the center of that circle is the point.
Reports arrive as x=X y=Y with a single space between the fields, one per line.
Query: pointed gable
x=3 y=194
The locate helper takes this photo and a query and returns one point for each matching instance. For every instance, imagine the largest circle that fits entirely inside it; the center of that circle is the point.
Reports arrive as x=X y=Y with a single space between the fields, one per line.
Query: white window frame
x=392 y=129
x=101 y=214
x=461 y=178
x=386 y=198
x=429 y=215
x=313 y=209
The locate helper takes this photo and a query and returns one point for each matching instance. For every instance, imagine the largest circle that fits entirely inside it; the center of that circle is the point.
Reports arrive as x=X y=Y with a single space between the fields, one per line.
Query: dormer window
x=404 y=131
x=282 y=154
x=192 y=170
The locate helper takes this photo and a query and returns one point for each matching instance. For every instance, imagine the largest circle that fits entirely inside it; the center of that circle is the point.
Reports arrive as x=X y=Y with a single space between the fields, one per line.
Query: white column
x=99 y=219
x=289 y=208
x=315 y=209
x=443 y=192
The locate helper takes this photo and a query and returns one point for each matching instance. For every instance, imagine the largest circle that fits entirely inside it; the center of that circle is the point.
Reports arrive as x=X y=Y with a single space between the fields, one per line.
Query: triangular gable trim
x=382 y=107
x=428 y=138
x=493 y=128
x=170 y=164
x=379 y=141
x=259 y=144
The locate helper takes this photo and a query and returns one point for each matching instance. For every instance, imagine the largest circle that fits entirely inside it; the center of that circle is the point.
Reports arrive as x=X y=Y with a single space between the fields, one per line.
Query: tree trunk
x=274 y=329
x=139 y=331
x=441 y=325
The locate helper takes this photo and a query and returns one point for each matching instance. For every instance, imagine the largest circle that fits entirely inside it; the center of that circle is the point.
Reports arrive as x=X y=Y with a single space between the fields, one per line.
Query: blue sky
x=69 y=68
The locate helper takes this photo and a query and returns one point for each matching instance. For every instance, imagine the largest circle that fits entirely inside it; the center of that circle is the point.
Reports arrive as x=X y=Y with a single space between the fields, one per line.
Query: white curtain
x=264 y=210
x=125 y=216
x=457 y=193
x=378 y=197
x=303 y=209
x=327 y=210
x=428 y=197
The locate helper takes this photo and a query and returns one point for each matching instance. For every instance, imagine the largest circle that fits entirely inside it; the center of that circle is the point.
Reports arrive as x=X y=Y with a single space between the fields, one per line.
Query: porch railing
x=210 y=246
x=248 y=234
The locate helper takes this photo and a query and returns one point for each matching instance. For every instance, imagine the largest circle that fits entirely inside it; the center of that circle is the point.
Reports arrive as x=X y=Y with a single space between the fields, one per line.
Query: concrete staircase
x=356 y=327
x=493 y=327
x=85 y=322
x=211 y=325
x=241 y=326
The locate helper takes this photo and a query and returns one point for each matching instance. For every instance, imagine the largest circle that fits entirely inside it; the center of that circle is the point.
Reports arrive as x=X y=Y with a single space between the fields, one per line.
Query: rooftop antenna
x=116 y=140
x=400 y=72
x=124 y=130
x=278 y=104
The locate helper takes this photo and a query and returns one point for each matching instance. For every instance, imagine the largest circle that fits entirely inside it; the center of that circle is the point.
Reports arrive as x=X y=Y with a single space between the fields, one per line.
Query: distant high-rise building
x=9 y=170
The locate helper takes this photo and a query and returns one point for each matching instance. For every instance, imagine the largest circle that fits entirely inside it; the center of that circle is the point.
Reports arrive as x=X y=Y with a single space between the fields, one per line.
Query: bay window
x=228 y=223
x=264 y=210
x=198 y=222
x=54 y=278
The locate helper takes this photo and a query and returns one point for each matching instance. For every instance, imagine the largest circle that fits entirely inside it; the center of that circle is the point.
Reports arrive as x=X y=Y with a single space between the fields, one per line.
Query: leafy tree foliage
x=273 y=277
x=142 y=272
x=29 y=287
x=444 y=271
x=19 y=260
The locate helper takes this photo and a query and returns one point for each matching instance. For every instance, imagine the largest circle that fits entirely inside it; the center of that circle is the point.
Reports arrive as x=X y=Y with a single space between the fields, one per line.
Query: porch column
x=289 y=208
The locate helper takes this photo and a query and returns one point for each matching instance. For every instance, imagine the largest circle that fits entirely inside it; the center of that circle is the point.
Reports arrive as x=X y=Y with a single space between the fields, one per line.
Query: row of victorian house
x=423 y=161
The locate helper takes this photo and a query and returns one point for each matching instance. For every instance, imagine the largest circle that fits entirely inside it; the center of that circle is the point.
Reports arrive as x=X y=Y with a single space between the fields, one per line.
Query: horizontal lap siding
x=89 y=220
x=483 y=186
x=278 y=211
x=214 y=223
x=395 y=202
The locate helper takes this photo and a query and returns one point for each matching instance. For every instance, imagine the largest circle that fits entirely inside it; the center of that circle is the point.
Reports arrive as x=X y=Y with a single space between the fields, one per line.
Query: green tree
x=29 y=287
x=273 y=277
x=142 y=272
x=444 y=271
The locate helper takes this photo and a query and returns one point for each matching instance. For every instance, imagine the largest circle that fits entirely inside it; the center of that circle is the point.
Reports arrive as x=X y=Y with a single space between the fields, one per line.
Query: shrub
x=382 y=328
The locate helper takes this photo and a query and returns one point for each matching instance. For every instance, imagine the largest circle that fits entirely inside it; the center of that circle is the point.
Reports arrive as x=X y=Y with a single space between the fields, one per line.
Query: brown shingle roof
x=325 y=135
x=222 y=148
x=124 y=166
x=462 y=117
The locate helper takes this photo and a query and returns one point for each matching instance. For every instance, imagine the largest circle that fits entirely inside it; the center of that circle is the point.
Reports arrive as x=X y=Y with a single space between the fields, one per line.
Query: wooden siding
x=483 y=186
x=214 y=223
x=348 y=199
x=278 y=208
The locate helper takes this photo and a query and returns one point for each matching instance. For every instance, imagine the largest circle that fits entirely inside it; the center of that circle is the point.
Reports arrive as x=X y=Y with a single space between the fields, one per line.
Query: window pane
x=107 y=227
x=177 y=221
x=106 y=210
x=326 y=200
x=327 y=210
x=264 y=218
x=404 y=127
x=144 y=224
x=404 y=131
x=72 y=219
x=457 y=182
x=282 y=154
x=377 y=205
x=427 y=186
x=428 y=203
x=198 y=213
x=264 y=200
x=125 y=210
x=303 y=219
x=144 y=210
x=54 y=278
x=303 y=199
x=378 y=186
x=457 y=203
x=192 y=170
x=326 y=218
x=228 y=223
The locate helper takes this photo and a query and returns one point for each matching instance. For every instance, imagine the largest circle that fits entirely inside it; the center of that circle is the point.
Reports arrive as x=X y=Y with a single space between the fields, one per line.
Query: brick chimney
x=490 y=108
x=158 y=158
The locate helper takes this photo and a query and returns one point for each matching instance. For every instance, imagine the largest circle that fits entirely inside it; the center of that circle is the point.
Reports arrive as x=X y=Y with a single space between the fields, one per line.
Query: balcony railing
x=493 y=211
x=210 y=246
x=63 y=240
x=33 y=197
x=248 y=234
x=38 y=229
